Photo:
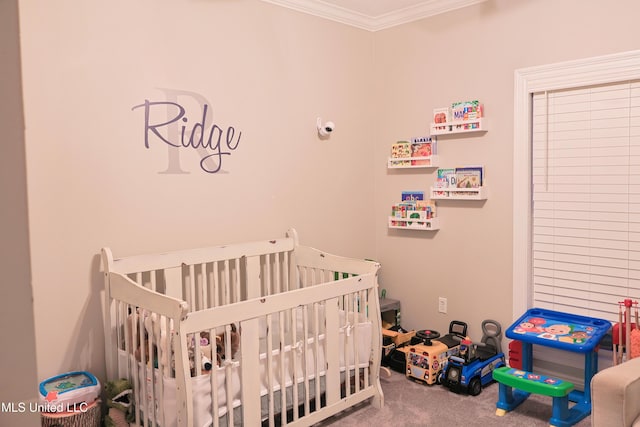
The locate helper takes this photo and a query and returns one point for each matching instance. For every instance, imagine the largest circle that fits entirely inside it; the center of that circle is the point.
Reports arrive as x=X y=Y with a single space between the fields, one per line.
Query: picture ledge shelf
x=414 y=224
x=453 y=193
x=400 y=162
x=458 y=127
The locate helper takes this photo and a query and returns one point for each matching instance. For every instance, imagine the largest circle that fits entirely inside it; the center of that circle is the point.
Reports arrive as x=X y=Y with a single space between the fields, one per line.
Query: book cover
x=466 y=110
x=418 y=139
x=441 y=116
x=428 y=206
x=412 y=196
x=421 y=149
x=401 y=150
x=470 y=177
x=445 y=178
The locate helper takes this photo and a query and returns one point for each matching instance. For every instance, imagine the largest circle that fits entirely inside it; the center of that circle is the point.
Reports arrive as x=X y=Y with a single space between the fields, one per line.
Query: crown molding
x=374 y=23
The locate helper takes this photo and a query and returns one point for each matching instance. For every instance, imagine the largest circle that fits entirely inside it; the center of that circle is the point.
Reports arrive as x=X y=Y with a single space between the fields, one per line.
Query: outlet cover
x=442 y=305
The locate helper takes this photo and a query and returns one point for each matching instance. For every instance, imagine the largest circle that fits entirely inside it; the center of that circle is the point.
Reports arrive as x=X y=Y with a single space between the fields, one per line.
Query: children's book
x=428 y=206
x=466 y=110
x=411 y=196
x=441 y=116
x=445 y=178
x=470 y=177
x=421 y=149
x=401 y=150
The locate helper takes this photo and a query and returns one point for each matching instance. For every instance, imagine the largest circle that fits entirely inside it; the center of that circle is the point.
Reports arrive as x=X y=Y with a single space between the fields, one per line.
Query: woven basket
x=88 y=417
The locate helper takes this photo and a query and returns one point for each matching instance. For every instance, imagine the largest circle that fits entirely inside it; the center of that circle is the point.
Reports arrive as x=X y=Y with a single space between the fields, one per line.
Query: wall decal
x=173 y=124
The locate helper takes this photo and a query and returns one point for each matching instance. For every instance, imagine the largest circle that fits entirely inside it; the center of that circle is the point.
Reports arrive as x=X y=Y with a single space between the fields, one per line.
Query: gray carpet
x=408 y=403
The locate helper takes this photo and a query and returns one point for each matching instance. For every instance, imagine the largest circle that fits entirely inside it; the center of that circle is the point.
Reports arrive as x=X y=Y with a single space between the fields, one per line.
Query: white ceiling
x=374 y=15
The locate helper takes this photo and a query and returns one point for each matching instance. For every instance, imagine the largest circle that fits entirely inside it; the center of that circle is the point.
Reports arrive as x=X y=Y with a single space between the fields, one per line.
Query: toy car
x=428 y=352
x=472 y=368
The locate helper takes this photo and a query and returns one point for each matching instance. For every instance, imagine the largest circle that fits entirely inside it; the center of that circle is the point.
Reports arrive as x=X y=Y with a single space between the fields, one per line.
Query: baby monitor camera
x=325 y=129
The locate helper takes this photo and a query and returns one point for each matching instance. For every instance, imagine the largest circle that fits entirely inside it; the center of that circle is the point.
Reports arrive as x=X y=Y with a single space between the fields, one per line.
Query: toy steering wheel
x=426 y=335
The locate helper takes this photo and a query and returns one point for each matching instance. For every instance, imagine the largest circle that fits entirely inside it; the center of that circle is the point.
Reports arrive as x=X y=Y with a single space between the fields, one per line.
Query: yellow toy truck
x=428 y=352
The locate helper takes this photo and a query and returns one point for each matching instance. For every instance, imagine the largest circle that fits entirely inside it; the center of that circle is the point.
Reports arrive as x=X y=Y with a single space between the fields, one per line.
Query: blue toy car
x=473 y=368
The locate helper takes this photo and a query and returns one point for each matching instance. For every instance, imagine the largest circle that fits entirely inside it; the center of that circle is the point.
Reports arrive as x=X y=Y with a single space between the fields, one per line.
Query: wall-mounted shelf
x=410 y=162
x=458 y=127
x=453 y=193
x=414 y=224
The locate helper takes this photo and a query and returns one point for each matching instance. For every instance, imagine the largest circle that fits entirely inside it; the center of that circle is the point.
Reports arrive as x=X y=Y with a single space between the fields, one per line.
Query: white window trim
x=565 y=75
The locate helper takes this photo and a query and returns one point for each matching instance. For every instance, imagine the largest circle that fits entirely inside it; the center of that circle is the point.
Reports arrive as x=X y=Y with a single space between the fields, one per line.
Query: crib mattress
x=226 y=379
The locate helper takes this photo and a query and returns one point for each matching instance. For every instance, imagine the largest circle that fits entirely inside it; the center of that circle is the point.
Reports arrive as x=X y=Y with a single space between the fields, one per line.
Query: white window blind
x=586 y=198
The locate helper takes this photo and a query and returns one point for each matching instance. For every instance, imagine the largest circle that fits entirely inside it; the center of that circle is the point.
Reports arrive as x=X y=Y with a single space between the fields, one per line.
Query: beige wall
x=469 y=54
x=18 y=356
x=269 y=72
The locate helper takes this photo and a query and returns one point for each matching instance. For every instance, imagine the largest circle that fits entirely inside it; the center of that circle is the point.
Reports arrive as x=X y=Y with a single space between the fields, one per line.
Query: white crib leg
x=377 y=401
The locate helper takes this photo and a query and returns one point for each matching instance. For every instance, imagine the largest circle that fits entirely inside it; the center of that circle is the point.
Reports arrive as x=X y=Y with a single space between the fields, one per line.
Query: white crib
x=309 y=326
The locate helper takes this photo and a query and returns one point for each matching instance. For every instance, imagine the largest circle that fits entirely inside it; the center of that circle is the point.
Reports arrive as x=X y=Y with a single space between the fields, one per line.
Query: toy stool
x=526 y=383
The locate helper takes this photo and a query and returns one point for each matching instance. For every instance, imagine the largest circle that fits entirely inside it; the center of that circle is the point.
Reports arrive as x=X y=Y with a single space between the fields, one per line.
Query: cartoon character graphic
x=577 y=337
x=531 y=325
x=552 y=332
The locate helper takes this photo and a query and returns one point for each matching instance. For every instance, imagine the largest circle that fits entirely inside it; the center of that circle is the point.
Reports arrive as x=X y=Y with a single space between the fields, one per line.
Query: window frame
x=613 y=68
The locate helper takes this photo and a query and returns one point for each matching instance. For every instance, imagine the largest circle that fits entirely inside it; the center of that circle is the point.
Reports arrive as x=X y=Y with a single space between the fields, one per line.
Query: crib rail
x=326 y=265
x=168 y=260
x=169 y=319
x=326 y=317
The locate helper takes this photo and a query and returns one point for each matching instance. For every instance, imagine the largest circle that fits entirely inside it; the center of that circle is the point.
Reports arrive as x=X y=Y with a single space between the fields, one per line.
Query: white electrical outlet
x=442 y=305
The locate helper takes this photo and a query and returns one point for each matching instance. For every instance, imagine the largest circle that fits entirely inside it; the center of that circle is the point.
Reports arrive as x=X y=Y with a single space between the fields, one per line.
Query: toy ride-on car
x=473 y=367
x=428 y=352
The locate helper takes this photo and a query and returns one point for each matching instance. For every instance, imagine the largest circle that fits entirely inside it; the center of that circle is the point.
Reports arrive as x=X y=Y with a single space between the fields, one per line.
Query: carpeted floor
x=408 y=403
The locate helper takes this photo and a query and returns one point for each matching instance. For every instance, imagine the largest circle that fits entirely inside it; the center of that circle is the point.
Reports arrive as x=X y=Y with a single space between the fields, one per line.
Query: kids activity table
x=563 y=331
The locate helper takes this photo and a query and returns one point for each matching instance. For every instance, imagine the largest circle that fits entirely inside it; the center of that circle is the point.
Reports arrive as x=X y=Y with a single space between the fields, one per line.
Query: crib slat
x=164 y=366
x=189 y=286
x=214 y=386
x=150 y=381
x=356 y=334
x=184 y=404
x=138 y=278
x=283 y=366
x=277 y=269
x=316 y=346
x=226 y=283
x=252 y=267
x=345 y=344
x=200 y=285
x=131 y=360
x=294 y=356
x=268 y=284
x=333 y=358
x=288 y=271
x=214 y=285
x=305 y=356
x=229 y=393
x=249 y=361
x=270 y=367
x=236 y=281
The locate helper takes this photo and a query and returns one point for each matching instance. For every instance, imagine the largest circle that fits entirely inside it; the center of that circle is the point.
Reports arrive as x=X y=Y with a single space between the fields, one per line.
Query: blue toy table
x=563 y=331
